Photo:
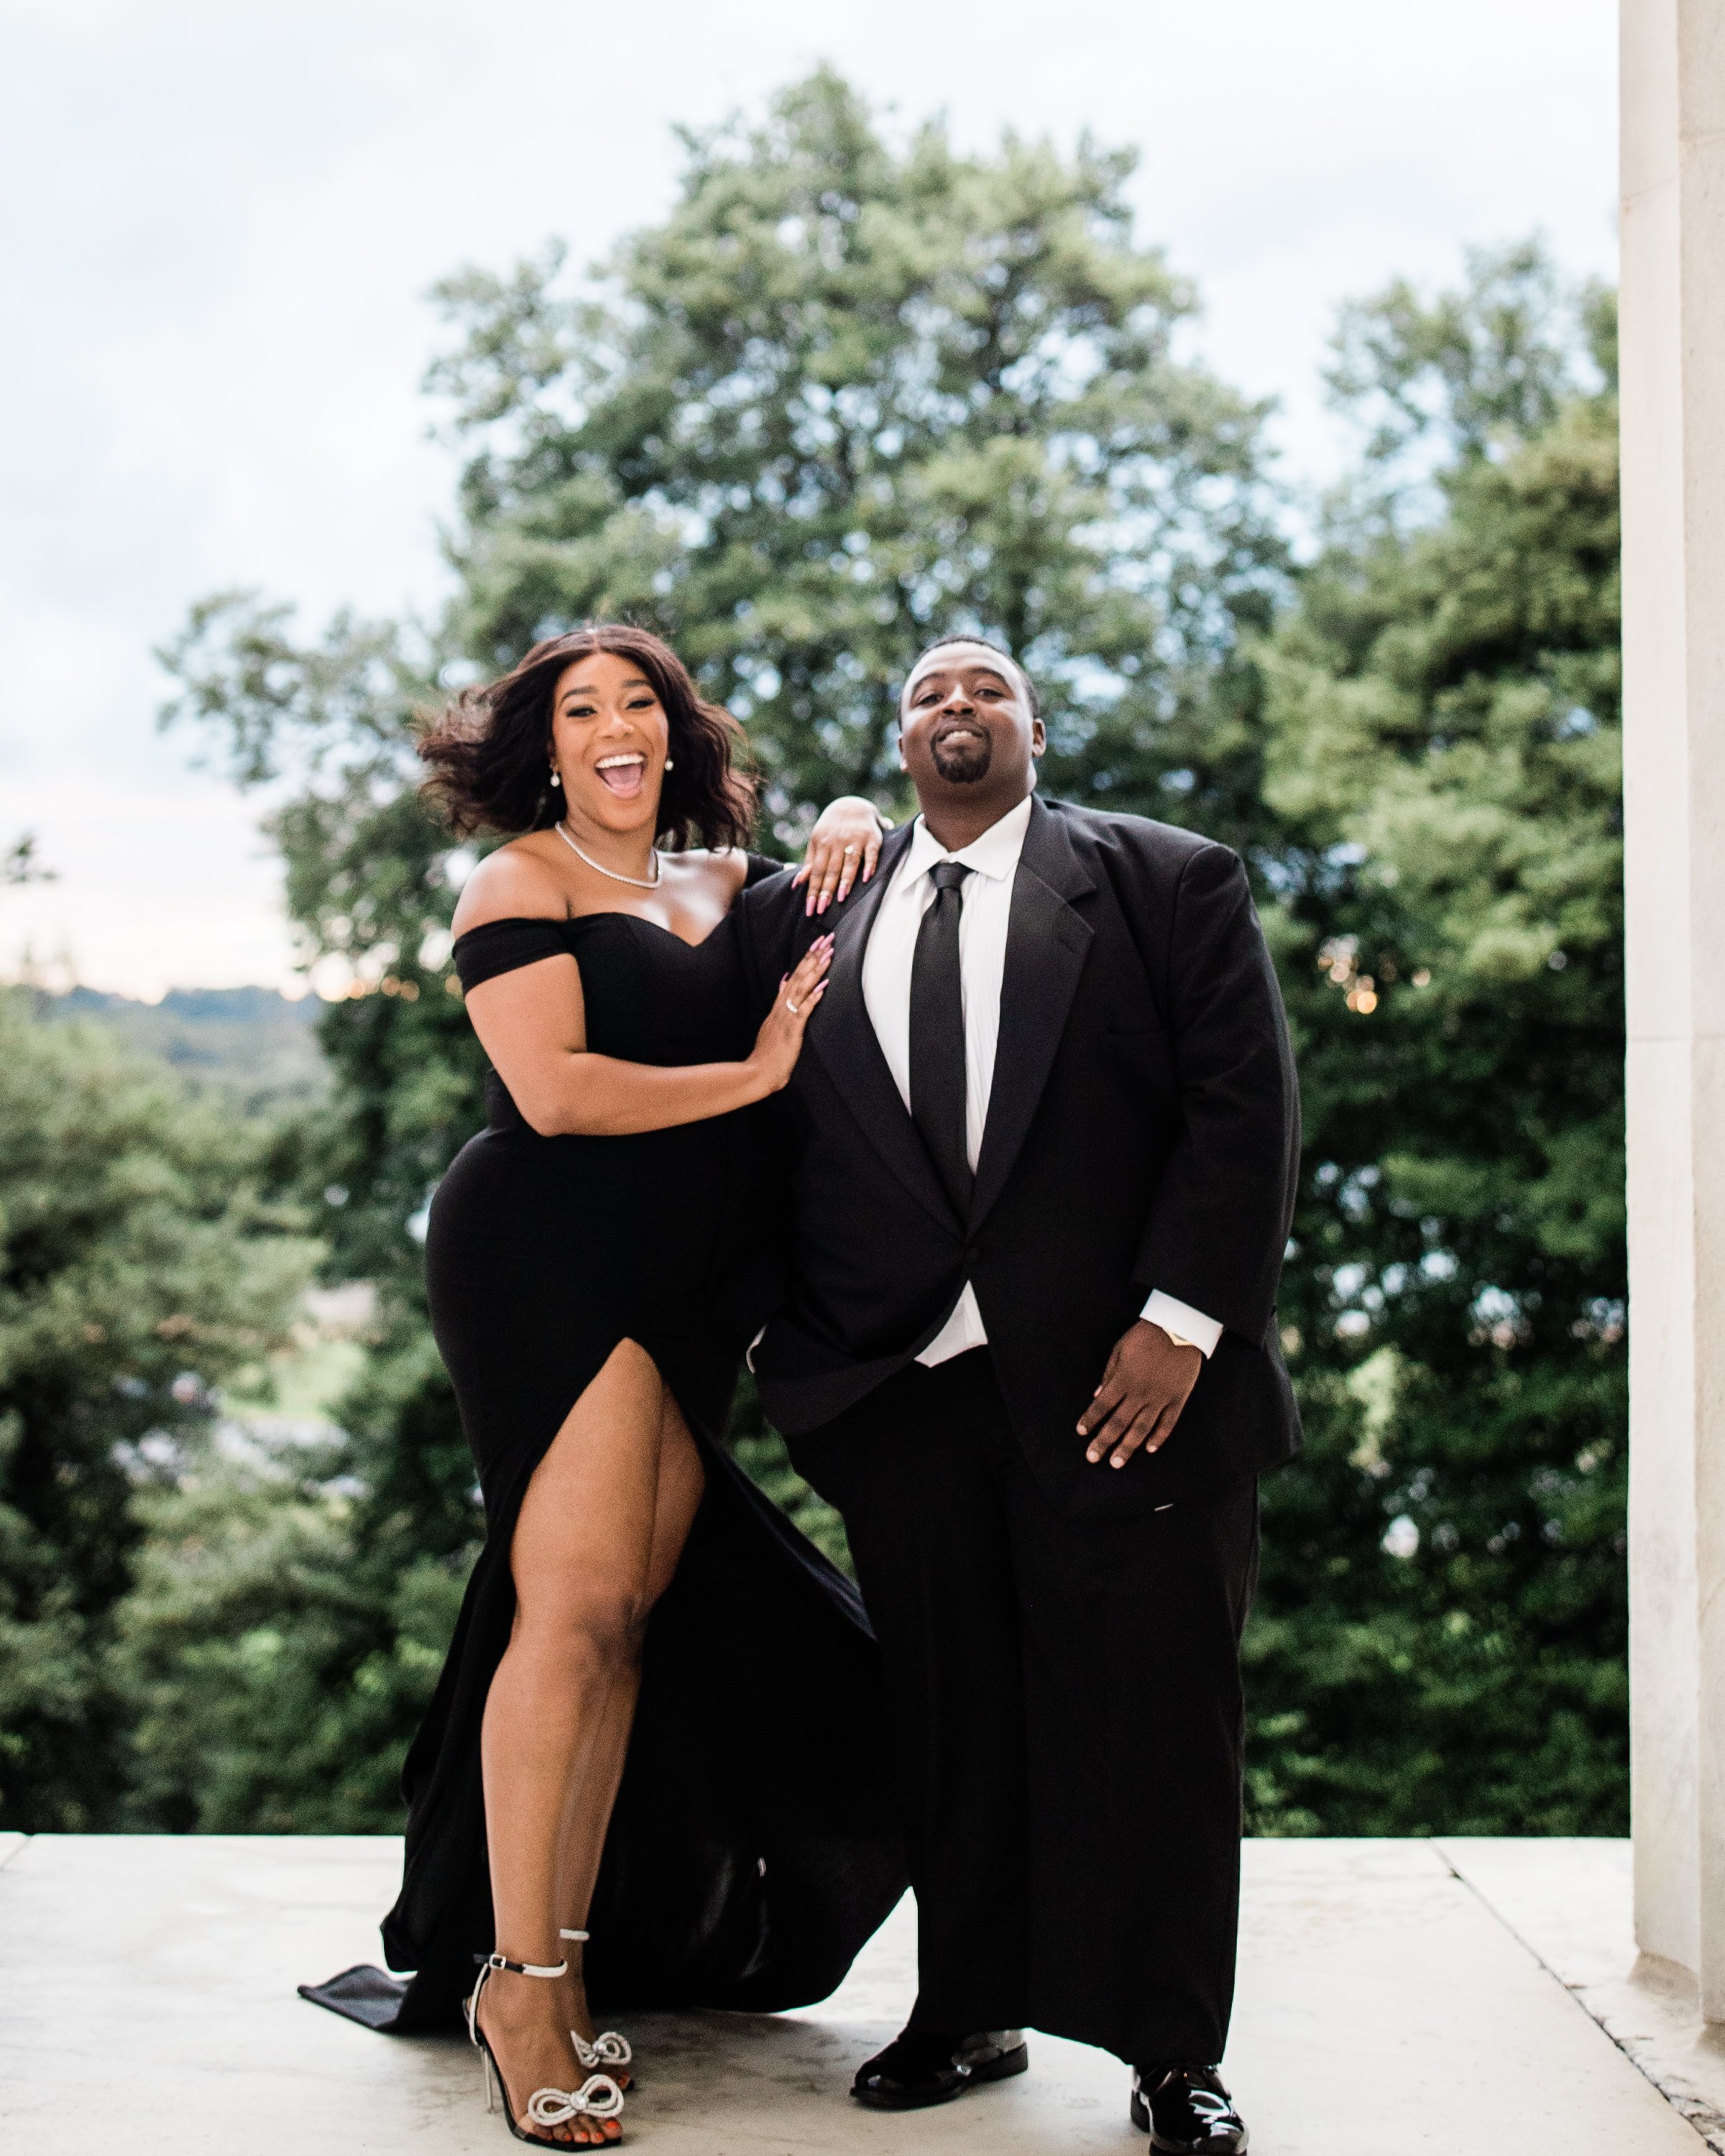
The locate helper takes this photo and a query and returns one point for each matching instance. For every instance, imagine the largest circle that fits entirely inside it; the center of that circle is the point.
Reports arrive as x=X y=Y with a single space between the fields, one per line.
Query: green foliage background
x=142 y=1262
x=855 y=391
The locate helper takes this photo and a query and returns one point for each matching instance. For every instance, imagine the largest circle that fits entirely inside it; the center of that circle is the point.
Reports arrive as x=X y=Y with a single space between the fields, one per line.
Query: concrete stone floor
x=1395 y=1997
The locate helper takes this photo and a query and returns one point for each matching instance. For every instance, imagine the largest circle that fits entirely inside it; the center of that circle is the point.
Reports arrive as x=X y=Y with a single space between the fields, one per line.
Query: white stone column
x=1673 y=351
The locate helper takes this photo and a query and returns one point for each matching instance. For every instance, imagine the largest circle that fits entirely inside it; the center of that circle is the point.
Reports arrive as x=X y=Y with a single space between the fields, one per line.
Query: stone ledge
x=1573 y=1903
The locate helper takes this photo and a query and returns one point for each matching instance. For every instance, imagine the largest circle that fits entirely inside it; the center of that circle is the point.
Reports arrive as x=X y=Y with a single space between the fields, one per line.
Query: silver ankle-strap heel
x=598 y=2096
x=607 y=2049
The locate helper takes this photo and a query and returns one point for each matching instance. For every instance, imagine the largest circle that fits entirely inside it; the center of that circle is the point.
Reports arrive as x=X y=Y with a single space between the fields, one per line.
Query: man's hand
x=1147 y=1381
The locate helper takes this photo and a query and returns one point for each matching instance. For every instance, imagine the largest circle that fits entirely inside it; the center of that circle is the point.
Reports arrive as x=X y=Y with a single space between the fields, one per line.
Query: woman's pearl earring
x=670 y=763
x=557 y=778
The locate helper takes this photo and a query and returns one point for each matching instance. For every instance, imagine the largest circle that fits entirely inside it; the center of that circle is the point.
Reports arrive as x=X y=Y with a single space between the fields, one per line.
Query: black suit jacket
x=1142 y=1133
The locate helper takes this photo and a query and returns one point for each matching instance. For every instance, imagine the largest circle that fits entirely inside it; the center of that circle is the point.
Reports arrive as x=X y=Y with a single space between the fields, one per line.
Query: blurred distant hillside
x=253 y=1046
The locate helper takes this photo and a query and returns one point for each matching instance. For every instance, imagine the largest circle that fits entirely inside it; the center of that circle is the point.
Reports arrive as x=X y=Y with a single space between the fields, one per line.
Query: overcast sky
x=221 y=218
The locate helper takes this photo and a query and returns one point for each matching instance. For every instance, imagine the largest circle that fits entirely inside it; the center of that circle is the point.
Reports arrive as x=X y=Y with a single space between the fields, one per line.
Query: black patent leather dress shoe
x=1186 y=2111
x=916 y=2069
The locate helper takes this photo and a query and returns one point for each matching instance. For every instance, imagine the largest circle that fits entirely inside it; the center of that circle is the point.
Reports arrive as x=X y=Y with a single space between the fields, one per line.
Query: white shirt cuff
x=1176 y=1316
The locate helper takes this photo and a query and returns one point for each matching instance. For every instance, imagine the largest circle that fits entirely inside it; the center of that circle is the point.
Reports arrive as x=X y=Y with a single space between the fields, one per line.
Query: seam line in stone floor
x=1694 y=2111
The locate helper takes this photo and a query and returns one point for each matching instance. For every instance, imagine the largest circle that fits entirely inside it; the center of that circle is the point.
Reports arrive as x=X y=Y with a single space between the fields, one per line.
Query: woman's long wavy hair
x=490 y=752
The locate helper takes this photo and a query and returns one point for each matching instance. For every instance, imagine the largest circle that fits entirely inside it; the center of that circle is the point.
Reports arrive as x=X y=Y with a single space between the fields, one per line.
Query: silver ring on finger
x=789 y=1005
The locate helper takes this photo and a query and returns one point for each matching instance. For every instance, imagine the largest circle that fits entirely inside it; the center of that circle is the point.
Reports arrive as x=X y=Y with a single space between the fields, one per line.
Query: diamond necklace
x=640 y=883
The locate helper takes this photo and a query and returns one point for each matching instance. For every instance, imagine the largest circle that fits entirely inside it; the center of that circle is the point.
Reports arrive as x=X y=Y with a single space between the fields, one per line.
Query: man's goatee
x=963 y=765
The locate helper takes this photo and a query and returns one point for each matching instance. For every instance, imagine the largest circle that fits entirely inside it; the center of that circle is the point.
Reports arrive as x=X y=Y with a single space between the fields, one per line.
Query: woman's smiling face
x=609 y=737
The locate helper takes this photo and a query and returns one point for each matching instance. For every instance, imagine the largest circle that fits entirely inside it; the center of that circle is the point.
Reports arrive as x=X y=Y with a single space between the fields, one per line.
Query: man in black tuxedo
x=1045 y=1133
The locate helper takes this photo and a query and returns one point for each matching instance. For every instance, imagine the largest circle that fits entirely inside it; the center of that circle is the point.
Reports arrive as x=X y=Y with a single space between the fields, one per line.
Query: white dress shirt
x=993 y=860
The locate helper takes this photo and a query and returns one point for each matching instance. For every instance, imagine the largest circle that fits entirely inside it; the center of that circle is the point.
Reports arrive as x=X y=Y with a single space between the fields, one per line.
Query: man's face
x=965 y=722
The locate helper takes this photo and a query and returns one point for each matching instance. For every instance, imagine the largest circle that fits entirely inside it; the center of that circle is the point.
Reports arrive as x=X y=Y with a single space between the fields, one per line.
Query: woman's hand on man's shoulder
x=843 y=849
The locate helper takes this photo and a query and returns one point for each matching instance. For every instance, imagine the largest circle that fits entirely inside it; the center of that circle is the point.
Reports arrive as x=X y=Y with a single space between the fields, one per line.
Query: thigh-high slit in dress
x=752 y=1848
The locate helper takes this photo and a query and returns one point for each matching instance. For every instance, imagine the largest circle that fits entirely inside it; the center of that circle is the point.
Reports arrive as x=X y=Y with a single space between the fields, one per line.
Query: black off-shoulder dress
x=752 y=1849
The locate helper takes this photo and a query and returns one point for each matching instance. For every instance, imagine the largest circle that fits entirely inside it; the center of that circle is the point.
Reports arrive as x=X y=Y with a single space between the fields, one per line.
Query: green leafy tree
x=254 y=1616
x=850 y=393
x=371 y=886
x=853 y=393
x=139 y=1265
x=1458 y=377
x=1440 y=1642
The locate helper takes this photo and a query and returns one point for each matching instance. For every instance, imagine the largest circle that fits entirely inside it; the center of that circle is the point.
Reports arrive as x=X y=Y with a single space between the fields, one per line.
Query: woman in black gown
x=597 y=1260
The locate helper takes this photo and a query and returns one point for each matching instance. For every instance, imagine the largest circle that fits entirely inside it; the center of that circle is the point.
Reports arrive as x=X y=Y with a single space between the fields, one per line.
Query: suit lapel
x=842 y=1036
x=1047 y=942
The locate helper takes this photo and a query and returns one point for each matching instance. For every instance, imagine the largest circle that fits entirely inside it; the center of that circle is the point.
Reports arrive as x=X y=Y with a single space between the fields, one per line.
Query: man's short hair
x=983 y=643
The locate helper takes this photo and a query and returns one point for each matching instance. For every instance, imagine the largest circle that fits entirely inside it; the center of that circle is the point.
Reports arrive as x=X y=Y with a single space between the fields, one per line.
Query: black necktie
x=938 y=1035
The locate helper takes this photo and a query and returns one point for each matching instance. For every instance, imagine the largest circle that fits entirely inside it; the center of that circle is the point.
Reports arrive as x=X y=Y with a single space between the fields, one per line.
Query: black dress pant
x=1064 y=1701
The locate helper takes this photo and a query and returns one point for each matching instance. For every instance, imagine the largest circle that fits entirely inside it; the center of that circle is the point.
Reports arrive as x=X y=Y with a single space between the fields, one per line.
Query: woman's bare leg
x=582 y=1562
x=681 y=1482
